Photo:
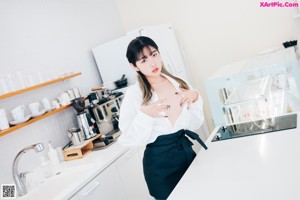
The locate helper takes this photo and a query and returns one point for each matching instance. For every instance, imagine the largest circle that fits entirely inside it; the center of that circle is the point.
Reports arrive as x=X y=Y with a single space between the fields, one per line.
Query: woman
x=158 y=111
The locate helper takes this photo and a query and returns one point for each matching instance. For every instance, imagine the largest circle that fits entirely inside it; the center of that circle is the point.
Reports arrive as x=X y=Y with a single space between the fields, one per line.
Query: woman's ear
x=134 y=67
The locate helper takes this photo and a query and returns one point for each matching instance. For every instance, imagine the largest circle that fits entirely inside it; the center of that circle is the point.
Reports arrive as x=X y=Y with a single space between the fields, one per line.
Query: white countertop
x=75 y=174
x=259 y=167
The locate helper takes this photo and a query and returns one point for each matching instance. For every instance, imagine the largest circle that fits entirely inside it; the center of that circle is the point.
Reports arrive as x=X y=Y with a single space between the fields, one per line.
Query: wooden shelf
x=38 y=86
x=32 y=120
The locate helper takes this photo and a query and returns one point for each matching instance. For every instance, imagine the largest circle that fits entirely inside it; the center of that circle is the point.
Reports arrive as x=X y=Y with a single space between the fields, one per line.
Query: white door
x=130 y=169
x=107 y=186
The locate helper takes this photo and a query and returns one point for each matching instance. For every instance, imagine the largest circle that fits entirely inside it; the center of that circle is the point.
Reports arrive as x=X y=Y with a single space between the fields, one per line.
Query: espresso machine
x=86 y=123
x=105 y=110
x=99 y=114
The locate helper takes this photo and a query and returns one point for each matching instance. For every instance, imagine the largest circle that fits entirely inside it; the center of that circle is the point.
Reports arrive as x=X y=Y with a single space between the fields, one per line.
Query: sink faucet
x=20 y=178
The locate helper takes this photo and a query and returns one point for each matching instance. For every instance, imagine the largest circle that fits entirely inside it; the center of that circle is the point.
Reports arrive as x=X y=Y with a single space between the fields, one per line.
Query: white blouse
x=140 y=129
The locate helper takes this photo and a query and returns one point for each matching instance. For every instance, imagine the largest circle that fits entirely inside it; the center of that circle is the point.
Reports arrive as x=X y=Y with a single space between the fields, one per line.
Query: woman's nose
x=152 y=63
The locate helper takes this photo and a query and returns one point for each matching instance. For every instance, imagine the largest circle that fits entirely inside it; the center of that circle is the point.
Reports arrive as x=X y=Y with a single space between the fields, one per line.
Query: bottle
x=46 y=167
x=53 y=156
x=60 y=154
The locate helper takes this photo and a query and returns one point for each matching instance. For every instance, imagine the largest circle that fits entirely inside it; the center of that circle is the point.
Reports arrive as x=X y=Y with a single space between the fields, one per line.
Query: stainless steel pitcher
x=76 y=136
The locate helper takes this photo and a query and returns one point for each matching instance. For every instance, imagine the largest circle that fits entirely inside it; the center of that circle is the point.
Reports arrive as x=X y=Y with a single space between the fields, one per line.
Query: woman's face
x=149 y=62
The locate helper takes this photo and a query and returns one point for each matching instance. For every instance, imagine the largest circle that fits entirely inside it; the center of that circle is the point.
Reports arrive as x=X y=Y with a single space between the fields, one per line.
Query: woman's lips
x=155 y=70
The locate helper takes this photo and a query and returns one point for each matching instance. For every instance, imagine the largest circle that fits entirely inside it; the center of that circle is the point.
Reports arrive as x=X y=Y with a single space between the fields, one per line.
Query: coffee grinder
x=85 y=121
x=93 y=108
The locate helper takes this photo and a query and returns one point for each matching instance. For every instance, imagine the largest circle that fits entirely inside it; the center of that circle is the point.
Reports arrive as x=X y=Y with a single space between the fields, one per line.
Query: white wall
x=48 y=36
x=214 y=33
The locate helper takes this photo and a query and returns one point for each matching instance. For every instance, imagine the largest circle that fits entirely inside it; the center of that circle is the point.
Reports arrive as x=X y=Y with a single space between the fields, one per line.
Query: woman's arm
x=194 y=102
x=197 y=115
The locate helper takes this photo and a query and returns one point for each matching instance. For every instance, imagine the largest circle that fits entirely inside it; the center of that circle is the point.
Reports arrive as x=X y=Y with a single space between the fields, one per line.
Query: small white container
x=46 y=167
x=53 y=156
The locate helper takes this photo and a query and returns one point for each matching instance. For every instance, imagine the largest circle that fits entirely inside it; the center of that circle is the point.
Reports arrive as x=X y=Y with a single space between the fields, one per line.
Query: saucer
x=49 y=109
x=39 y=113
x=20 y=121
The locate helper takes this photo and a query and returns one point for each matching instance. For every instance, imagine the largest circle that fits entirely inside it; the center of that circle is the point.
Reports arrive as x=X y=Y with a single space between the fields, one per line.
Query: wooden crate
x=75 y=152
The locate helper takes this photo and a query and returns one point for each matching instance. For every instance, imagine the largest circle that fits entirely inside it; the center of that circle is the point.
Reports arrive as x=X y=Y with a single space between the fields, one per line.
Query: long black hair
x=134 y=50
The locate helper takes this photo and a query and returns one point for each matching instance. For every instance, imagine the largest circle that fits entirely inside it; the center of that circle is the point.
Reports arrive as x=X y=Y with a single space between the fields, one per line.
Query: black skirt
x=166 y=160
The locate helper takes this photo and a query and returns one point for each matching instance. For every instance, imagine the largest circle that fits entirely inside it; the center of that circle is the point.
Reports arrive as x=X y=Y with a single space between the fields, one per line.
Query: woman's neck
x=155 y=80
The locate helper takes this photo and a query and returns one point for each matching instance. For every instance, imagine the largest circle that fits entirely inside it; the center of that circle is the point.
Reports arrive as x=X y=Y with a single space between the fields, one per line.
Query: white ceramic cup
x=31 y=80
x=40 y=77
x=71 y=94
x=11 y=82
x=18 y=113
x=55 y=104
x=3 y=86
x=3 y=120
x=76 y=92
x=34 y=107
x=21 y=81
x=64 y=98
x=46 y=103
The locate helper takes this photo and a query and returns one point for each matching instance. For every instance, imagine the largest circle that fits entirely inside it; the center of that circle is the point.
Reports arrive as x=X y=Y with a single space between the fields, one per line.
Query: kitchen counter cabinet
x=108 y=174
x=76 y=176
x=107 y=185
x=130 y=169
x=259 y=167
x=123 y=180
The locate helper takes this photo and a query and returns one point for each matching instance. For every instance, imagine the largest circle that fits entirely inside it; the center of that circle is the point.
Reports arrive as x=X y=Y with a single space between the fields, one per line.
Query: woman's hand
x=155 y=109
x=188 y=97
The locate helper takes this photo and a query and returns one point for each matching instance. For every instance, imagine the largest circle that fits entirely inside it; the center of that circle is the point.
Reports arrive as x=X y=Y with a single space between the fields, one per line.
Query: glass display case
x=257 y=88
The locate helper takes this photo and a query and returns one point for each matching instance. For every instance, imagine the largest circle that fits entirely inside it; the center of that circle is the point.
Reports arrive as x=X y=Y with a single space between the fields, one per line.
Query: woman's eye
x=144 y=60
x=154 y=54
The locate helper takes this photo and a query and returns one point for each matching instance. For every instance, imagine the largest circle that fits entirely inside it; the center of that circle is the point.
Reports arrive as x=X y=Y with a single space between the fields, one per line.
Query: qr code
x=8 y=191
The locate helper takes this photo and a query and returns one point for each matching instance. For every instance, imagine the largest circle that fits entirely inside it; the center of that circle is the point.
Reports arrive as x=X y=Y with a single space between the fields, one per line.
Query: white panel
x=112 y=62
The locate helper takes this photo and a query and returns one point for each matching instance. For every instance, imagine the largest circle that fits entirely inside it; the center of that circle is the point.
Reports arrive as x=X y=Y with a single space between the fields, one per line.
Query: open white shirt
x=140 y=129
